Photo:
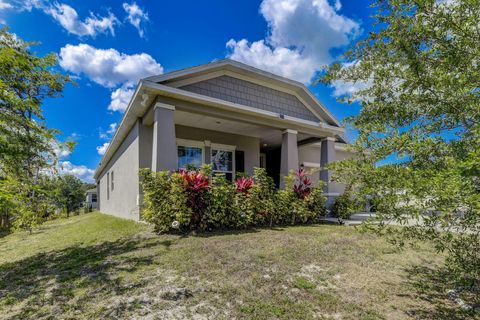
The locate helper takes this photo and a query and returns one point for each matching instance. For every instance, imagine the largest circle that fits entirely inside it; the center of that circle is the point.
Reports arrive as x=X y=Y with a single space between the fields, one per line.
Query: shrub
x=221 y=197
x=196 y=200
x=345 y=205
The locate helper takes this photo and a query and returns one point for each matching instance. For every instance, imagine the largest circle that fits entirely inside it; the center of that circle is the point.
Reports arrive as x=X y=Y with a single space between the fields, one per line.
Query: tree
x=418 y=81
x=26 y=143
x=70 y=193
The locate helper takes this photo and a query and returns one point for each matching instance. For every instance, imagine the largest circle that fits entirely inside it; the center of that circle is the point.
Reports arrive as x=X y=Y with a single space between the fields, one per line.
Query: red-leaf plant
x=243 y=185
x=303 y=184
x=196 y=184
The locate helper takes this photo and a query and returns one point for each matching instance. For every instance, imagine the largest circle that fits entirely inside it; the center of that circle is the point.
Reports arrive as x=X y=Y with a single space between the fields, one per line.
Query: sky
x=107 y=46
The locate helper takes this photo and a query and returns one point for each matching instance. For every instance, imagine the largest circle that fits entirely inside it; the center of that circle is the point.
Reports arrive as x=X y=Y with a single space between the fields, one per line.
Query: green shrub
x=196 y=200
x=345 y=205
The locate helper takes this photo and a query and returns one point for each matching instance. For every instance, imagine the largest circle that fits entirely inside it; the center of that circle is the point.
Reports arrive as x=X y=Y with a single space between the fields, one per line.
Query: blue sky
x=107 y=46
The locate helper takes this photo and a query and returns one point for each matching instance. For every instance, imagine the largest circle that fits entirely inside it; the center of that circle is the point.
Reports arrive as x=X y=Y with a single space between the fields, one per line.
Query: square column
x=164 y=144
x=289 y=154
x=327 y=155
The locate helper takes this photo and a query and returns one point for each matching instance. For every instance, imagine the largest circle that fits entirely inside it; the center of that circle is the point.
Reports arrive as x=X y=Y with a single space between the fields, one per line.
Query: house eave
x=147 y=90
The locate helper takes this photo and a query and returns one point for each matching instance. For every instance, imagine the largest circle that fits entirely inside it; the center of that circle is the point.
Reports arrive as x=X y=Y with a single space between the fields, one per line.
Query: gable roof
x=227 y=66
x=169 y=85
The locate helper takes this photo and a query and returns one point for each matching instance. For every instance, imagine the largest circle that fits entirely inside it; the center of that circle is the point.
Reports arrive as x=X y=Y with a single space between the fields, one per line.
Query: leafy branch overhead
x=418 y=145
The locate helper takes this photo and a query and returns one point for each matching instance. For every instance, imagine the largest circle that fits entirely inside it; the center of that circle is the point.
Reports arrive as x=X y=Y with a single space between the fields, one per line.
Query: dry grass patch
x=98 y=267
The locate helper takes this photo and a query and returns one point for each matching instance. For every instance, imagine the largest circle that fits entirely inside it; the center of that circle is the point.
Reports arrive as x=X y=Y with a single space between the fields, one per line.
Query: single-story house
x=91 y=198
x=224 y=113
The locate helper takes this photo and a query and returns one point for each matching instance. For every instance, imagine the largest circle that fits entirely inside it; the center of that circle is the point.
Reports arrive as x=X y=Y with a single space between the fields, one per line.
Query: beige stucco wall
x=312 y=154
x=122 y=201
x=249 y=145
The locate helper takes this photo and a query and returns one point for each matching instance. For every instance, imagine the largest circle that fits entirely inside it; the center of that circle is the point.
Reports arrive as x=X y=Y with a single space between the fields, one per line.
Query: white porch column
x=327 y=155
x=289 y=154
x=164 y=153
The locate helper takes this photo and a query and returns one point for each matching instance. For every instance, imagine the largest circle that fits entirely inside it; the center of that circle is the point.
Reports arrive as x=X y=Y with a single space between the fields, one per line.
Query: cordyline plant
x=243 y=184
x=196 y=185
x=417 y=76
x=303 y=186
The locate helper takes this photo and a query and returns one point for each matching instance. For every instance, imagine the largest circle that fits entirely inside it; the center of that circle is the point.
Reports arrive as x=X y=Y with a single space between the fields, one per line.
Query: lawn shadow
x=47 y=281
x=431 y=284
x=219 y=232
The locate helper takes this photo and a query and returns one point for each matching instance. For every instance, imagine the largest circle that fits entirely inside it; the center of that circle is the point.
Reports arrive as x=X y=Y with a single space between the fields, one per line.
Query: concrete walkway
x=355 y=219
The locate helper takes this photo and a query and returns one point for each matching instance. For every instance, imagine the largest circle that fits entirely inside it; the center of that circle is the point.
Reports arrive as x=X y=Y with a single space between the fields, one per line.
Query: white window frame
x=224 y=147
x=191 y=144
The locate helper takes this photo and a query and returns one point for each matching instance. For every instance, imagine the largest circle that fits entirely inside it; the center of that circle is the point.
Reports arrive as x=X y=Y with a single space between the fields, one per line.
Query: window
x=190 y=154
x=111 y=179
x=94 y=197
x=108 y=185
x=222 y=162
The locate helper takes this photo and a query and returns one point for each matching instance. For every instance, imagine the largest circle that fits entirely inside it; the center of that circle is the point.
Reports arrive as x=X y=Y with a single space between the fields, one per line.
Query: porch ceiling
x=269 y=136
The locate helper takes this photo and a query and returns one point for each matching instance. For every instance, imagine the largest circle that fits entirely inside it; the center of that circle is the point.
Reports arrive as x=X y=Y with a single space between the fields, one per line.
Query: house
x=225 y=113
x=91 y=198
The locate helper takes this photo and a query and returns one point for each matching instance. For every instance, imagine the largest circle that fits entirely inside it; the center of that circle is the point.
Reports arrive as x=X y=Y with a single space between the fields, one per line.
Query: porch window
x=189 y=156
x=223 y=162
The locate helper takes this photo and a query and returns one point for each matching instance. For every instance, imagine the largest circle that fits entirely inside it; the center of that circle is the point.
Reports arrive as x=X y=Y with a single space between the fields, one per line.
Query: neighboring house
x=225 y=113
x=91 y=198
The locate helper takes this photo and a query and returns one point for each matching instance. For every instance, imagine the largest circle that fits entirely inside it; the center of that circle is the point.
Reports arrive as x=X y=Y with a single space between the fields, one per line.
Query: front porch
x=183 y=135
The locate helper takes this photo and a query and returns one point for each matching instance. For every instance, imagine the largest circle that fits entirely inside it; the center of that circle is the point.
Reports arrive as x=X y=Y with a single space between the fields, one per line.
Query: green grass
x=95 y=266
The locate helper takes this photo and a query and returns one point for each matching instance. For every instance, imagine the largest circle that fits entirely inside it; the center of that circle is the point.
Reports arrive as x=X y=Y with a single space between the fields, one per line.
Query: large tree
x=26 y=143
x=417 y=76
x=70 y=193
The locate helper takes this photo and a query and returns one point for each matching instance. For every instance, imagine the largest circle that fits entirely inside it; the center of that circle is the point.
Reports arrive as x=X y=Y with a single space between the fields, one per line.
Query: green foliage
x=27 y=145
x=168 y=205
x=419 y=77
x=346 y=204
x=70 y=193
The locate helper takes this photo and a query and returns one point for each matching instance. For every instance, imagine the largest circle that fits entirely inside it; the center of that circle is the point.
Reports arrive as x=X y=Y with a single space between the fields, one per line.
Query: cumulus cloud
x=5 y=5
x=107 y=135
x=110 y=68
x=282 y=61
x=80 y=171
x=120 y=99
x=60 y=150
x=136 y=16
x=67 y=17
x=301 y=36
x=342 y=88
x=103 y=148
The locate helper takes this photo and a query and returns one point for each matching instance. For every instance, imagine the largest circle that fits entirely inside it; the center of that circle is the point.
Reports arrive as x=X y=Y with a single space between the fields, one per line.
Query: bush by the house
x=346 y=204
x=200 y=200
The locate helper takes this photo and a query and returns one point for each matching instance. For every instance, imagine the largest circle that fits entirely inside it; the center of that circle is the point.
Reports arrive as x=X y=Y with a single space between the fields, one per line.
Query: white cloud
x=136 y=16
x=107 y=135
x=103 y=148
x=61 y=151
x=80 y=171
x=282 y=61
x=112 y=128
x=68 y=19
x=5 y=5
x=120 y=99
x=349 y=89
x=302 y=34
x=342 y=88
x=108 y=67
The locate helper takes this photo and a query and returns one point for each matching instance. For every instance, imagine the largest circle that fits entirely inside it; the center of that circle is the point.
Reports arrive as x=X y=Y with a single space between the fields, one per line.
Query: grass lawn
x=95 y=266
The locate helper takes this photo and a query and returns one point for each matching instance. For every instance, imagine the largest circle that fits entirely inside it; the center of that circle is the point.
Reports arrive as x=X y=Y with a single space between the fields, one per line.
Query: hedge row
x=196 y=200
